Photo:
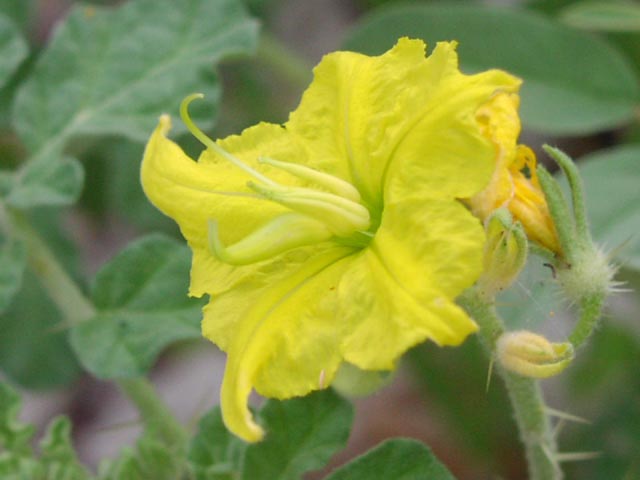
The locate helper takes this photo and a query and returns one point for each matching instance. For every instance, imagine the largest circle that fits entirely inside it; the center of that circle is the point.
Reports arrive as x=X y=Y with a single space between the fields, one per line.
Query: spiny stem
x=76 y=308
x=524 y=393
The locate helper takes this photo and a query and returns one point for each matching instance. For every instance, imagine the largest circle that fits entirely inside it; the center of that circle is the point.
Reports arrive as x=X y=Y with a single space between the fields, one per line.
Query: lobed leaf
x=399 y=459
x=15 y=436
x=113 y=71
x=302 y=435
x=573 y=82
x=142 y=306
x=58 y=459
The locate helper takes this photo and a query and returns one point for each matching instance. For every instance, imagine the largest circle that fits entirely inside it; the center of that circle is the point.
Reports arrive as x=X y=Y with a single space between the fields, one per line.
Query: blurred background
x=439 y=395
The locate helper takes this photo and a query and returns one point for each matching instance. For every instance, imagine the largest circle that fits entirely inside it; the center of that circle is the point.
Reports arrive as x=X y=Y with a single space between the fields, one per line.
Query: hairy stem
x=590 y=313
x=75 y=308
x=524 y=393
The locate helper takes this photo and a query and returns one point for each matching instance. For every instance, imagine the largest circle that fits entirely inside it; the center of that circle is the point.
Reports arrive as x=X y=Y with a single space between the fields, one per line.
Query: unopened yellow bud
x=532 y=355
x=505 y=252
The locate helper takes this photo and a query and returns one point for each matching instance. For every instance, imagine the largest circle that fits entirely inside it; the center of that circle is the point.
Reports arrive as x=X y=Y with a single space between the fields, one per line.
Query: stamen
x=285 y=232
x=342 y=216
x=334 y=184
x=207 y=142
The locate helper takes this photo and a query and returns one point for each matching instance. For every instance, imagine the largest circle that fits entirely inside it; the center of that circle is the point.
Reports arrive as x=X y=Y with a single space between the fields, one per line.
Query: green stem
x=524 y=393
x=590 y=312
x=76 y=308
x=284 y=61
x=71 y=302
x=156 y=417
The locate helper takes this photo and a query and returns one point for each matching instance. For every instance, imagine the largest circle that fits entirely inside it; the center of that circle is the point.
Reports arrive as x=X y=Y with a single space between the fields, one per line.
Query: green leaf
x=52 y=181
x=399 y=459
x=20 y=11
x=6 y=183
x=302 y=435
x=214 y=452
x=573 y=81
x=114 y=71
x=142 y=304
x=16 y=455
x=610 y=16
x=611 y=180
x=13 y=261
x=149 y=460
x=34 y=350
x=58 y=457
x=15 y=436
x=13 y=49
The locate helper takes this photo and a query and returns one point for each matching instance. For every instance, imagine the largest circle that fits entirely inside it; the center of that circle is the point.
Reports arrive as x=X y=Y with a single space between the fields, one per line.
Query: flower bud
x=532 y=355
x=505 y=252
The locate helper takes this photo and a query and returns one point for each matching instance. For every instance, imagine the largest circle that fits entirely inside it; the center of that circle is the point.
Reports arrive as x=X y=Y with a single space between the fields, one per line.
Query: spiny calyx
x=316 y=215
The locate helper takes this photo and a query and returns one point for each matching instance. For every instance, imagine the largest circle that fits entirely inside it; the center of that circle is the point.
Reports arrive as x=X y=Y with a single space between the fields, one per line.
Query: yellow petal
x=400 y=290
x=193 y=193
x=225 y=310
x=500 y=123
x=284 y=344
x=362 y=113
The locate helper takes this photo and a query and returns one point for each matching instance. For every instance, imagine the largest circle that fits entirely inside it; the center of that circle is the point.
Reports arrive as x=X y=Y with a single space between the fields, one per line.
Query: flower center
x=333 y=213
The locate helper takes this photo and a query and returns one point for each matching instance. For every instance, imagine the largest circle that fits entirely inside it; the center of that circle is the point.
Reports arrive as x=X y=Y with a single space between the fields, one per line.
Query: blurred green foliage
x=76 y=110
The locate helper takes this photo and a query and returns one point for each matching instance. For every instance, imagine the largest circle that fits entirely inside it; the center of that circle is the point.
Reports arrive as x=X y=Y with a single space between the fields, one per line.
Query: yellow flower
x=514 y=184
x=337 y=237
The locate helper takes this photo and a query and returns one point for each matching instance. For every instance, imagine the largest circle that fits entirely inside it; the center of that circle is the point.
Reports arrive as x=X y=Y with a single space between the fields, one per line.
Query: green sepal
x=585 y=275
x=577 y=191
x=560 y=213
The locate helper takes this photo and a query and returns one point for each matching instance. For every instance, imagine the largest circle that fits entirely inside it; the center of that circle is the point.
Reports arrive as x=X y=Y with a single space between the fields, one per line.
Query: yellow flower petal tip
x=338 y=237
